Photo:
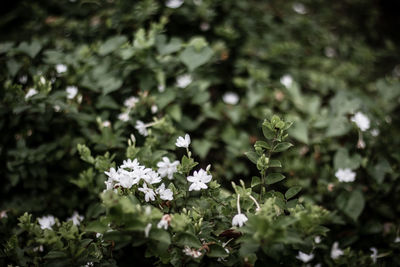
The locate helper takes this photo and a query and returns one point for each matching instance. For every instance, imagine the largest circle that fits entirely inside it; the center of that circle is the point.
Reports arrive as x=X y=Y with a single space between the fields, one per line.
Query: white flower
x=61 y=68
x=141 y=127
x=191 y=252
x=152 y=177
x=112 y=174
x=39 y=248
x=374 y=254
x=397 y=239
x=239 y=220
x=131 y=102
x=183 y=142
x=56 y=108
x=31 y=92
x=167 y=168
x=199 y=179
x=76 y=218
x=305 y=257
x=174 y=3
x=123 y=116
x=72 y=91
x=165 y=194
x=375 y=132
x=287 y=80
x=164 y=222
x=89 y=263
x=183 y=80
x=130 y=164
x=336 y=252
x=3 y=214
x=148 y=193
x=154 y=109
x=161 y=88
x=126 y=181
x=23 y=79
x=345 y=175
x=46 y=222
x=299 y=8
x=317 y=239
x=106 y=124
x=147 y=230
x=330 y=52
x=42 y=80
x=230 y=98
x=361 y=121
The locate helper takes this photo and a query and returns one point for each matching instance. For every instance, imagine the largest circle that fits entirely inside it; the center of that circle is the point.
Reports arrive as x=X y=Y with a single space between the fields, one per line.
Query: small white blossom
x=230 y=98
x=31 y=92
x=112 y=174
x=299 y=8
x=204 y=26
x=183 y=142
x=56 y=108
x=106 y=124
x=165 y=194
x=76 y=218
x=199 y=179
x=3 y=214
x=239 y=220
x=147 y=230
x=397 y=239
x=72 y=91
x=23 y=79
x=305 y=257
x=374 y=255
x=287 y=80
x=152 y=177
x=123 y=116
x=336 y=252
x=167 y=168
x=39 y=248
x=126 y=181
x=174 y=3
x=164 y=222
x=42 y=80
x=375 y=132
x=317 y=239
x=89 y=263
x=161 y=88
x=345 y=175
x=148 y=193
x=130 y=164
x=191 y=252
x=154 y=109
x=131 y=102
x=46 y=222
x=330 y=52
x=141 y=127
x=361 y=121
x=184 y=80
x=61 y=68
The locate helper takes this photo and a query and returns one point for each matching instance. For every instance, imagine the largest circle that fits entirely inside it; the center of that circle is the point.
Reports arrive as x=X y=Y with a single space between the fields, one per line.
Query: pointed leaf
x=274 y=178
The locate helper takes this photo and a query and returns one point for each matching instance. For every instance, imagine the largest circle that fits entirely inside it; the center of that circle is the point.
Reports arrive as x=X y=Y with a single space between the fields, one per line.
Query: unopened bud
x=208 y=167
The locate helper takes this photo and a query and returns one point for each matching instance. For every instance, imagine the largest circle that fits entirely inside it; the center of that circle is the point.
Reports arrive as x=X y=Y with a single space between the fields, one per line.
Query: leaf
x=292 y=191
x=268 y=133
x=165 y=48
x=31 y=49
x=194 y=59
x=111 y=44
x=252 y=156
x=255 y=181
x=282 y=147
x=55 y=255
x=300 y=132
x=188 y=239
x=355 y=205
x=263 y=144
x=274 y=163
x=216 y=251
x=343 y=160
x=275 y=177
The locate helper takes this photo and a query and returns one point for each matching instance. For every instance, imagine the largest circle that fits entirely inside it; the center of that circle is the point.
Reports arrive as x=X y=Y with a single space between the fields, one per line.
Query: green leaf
x=216 y=251
x=188 y=239
x=274 y=163
x=252 y=156
x=31 y=49
x=355 y=205
x=300 y=132
x=55 y=255
x=268 y=133
x=111 y=44
x=292 y=191
x=282 y=147
x=165 y=48
x=255 y=181
x=193 y=58
x=275 y=177
x=263 y=144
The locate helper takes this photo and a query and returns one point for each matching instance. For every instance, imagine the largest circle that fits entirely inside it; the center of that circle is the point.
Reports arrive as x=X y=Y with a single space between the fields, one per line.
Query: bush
x=80 y=78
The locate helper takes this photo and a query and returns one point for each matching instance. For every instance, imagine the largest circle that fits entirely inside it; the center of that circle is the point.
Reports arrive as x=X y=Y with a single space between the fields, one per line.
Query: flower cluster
x=131 y=173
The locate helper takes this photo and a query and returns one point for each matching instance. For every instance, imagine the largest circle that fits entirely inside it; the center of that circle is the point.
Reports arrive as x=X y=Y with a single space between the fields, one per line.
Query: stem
x=255 y=201
x=238 y=204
